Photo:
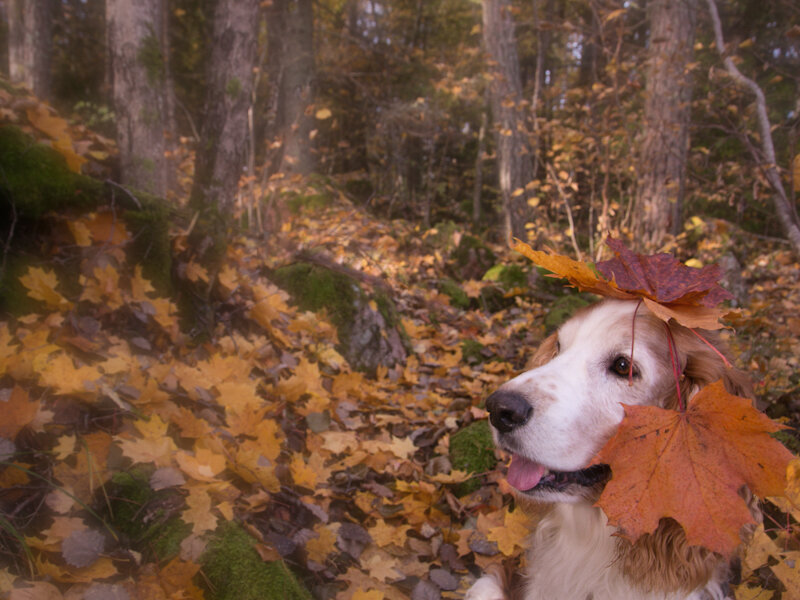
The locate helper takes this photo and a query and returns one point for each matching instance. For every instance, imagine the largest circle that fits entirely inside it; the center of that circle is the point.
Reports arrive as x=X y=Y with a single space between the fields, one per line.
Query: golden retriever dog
x=553 y=419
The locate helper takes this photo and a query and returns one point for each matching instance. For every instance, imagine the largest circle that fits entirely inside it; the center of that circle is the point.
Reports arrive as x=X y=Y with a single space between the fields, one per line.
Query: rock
x=369 y=329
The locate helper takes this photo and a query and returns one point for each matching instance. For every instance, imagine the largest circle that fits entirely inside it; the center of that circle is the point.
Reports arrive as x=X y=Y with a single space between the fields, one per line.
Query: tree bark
x=664 y=142
x=222 y=148
x=137 y=66
x=513 y=150
x=29 y=44
x=295 y=36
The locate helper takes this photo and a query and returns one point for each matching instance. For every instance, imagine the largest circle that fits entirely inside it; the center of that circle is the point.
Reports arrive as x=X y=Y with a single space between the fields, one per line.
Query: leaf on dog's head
x=662 y=277
x=690 y=466
x=577 y=273
x=670 y=289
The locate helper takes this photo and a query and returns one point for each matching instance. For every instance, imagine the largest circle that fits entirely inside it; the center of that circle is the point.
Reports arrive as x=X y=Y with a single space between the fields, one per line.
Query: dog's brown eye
x=622 y=367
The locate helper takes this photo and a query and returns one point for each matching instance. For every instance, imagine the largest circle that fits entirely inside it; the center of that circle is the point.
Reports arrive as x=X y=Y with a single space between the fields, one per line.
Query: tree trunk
x=137 y=67
x=664 y=142
x=513 y=150
x=296 y=83
x=222 y=149
x=29 y=44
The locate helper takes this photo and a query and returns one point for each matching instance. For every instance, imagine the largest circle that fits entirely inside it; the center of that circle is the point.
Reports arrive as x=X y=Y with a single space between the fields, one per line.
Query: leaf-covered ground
x=134 y=430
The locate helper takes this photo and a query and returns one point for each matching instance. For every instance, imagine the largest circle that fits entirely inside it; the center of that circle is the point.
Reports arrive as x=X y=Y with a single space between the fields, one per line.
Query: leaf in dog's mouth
x=526 y=475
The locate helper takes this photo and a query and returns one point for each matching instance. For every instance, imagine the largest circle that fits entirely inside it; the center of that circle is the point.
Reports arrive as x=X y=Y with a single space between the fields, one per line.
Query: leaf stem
x=676 y=371
x=710 y=345
x=633 y=338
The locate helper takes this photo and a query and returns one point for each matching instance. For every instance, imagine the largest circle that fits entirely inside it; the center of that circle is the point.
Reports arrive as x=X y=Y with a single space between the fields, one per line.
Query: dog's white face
x=554 y=418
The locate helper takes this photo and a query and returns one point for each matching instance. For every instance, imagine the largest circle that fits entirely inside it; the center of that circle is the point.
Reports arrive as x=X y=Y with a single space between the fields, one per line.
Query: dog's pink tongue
x=524 y=474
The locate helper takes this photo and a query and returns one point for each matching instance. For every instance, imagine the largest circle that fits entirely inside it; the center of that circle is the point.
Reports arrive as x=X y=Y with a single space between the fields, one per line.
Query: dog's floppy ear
x=546 y=352
x=704 y=365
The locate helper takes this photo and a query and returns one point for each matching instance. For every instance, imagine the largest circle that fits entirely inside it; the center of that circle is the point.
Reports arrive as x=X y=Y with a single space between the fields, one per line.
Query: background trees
x=596 y=131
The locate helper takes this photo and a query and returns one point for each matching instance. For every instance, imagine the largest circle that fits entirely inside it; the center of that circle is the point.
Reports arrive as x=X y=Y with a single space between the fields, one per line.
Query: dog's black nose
x=508 y=410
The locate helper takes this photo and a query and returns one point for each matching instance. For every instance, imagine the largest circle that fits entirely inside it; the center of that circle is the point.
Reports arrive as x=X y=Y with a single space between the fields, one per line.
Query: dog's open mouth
x=527 y=476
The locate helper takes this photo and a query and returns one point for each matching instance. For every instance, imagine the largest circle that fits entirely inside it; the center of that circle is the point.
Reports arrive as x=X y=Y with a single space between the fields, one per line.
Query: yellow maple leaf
x=237 y=396
x=320 y=547
x=199 y=514
x=383 y=534
x=204 y=465
x=252 y=466
x=513 y=532
x=81 y=233
x=303 y=474
x=140 y=287
x=103 y=287
x=196 y=272
x=41 y=285
x=60 y=373
x=43 y=119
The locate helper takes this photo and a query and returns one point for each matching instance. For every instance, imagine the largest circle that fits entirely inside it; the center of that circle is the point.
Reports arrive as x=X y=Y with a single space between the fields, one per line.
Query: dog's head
x=556 y=416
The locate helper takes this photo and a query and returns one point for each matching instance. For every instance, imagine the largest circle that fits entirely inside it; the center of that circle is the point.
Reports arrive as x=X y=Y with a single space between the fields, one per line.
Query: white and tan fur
x=576 y=397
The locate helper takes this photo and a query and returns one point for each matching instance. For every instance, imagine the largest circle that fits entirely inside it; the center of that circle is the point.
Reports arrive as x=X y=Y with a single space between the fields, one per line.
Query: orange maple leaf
x=690 y=466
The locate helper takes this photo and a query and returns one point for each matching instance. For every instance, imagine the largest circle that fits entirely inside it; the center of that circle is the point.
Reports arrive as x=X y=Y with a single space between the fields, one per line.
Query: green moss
x=299 y=202
x=472 y=450
x=470 y=255
x=146 y=517
x=508 y=276
x=452 y=290
x=563 y=308
x=151 y=58
x=234 y=87
x=235 y=571
x=315 y=288
x=472 y=351
x=36 y=179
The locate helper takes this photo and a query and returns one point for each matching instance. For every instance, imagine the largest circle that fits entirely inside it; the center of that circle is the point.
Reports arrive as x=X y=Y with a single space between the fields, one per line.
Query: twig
x=128 y=193
x=569 y=211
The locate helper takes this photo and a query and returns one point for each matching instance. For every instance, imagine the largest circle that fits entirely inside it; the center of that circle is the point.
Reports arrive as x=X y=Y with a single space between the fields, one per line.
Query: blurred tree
x=514 y=166
x=222 y=147
x=291 y=36
x=30 y=43
x=135 y=39
x=661 y=164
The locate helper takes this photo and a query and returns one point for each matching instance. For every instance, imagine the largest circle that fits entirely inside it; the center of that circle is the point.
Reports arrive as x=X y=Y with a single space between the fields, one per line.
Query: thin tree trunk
x=478 y=190
x=29 y=44
x=513 y=151
x=664 y=143
x=297 y=84
x=137 y=67
x=785 y=209
x=222 y=148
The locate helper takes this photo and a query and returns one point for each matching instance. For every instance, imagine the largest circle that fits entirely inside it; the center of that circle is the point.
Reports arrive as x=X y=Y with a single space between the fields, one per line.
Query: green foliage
x=151 y=58
x=472 y=450
x=235 y=571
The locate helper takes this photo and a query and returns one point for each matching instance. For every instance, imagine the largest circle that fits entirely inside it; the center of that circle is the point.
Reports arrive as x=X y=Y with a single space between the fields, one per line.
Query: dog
x=557 y=415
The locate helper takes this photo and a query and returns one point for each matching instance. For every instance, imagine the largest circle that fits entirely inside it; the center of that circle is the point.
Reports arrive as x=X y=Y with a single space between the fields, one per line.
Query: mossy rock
x=452 y=290
x=563 y=308
x=472 y=450
x=235 y=571
x=471 y=259
x=368 y=338
x=149 y=519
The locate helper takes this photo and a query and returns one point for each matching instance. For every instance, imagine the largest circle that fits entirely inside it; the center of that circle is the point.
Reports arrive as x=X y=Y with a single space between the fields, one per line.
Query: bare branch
x=786 y=212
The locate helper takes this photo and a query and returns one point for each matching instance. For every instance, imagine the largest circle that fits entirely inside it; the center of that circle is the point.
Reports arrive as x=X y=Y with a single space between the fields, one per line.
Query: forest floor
x=134 y=433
